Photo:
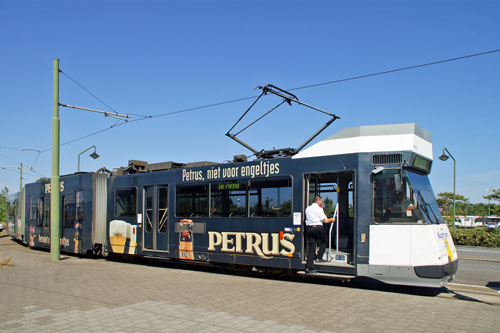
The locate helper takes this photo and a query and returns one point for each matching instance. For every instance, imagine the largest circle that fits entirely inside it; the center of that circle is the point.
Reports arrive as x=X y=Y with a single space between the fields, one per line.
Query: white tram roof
x=376 y=138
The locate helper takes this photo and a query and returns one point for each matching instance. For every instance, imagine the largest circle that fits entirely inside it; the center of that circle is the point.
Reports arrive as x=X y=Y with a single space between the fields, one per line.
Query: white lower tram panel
x=419 y=254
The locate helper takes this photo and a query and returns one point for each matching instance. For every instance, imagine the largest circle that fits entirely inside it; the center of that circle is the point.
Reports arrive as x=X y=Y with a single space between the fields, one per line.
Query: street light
x=94 y=155
x=444 y=156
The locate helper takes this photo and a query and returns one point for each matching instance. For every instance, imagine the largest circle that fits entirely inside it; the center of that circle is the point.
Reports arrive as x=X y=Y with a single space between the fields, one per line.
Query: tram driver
x=316 y=235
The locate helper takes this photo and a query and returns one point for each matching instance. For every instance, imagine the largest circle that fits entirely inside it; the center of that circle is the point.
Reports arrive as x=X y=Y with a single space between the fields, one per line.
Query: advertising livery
x=250 y=214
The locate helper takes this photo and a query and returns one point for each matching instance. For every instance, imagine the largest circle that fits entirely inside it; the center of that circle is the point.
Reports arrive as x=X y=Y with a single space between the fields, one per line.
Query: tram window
x=69 y=211
x=46 y=214
x=191 y=201
x=39 y=213
x=126 y=202
x=80 y=206
x=391 y=205
x=327 y=190
x=12 y=212
x=271 y=198
x=9 y=212
x=33 y=208
x=228 y=199
x=350 y=198
x=148 y=223
x=162 y=209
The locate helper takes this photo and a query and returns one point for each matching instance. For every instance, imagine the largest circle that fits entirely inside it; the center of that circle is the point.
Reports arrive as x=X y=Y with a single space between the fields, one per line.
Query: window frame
x=136 y=201
x=207 y=184
x=46 y=213
x=77 y=220
x=377 y=220
x=158 y=189
x=290 y=177
x=63 y=215
x=33 y=208
x=248 y=184
x=40 y=206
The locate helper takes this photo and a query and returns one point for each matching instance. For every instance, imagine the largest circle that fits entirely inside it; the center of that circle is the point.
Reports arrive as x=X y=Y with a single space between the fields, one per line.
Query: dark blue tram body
x=276 y=241
x=251 y=214
x=76 y=213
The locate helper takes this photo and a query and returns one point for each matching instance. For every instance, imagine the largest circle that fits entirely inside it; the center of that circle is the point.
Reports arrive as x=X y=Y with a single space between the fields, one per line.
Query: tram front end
x=399 y=235
x=409 y=241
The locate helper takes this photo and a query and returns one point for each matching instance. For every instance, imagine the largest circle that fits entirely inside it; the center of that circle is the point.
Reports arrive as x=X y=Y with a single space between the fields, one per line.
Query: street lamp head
x=94 y=155
x=443 y=157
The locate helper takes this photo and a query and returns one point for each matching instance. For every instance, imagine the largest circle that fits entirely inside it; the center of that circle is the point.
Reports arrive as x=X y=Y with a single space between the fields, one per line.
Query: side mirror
x=398 y=185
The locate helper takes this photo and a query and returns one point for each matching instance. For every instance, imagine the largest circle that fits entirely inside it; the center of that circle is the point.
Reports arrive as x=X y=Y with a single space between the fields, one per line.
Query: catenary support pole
x=21 y=178
x=54 y=181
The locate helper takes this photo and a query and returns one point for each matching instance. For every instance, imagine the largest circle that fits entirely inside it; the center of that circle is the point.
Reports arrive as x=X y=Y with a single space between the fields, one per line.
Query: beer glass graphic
x=78 y=238
x=186 y=240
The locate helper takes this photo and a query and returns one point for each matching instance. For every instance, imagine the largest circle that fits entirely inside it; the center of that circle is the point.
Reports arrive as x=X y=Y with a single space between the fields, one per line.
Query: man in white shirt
x=316 y=235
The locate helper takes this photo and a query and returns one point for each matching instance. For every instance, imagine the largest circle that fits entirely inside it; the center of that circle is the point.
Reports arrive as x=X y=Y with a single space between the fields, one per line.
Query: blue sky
x=151 y=57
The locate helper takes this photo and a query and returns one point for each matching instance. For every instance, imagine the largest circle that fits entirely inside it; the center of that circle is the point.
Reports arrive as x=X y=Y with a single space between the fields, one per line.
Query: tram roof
x=375 y=138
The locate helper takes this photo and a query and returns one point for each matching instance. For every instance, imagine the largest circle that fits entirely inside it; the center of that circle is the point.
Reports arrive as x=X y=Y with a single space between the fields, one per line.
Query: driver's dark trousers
x=316 y=236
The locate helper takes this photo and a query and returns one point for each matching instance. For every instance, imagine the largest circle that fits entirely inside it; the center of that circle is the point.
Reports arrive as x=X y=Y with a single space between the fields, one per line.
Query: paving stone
x=86 y=295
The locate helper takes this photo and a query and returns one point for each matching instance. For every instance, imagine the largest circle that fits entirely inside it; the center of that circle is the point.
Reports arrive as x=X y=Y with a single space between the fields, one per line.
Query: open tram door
x=337 y=191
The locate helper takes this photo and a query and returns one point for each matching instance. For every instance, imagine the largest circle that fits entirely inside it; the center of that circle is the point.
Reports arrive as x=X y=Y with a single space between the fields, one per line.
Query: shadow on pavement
x=358 y=283
x=493 y=285
x=466 y=298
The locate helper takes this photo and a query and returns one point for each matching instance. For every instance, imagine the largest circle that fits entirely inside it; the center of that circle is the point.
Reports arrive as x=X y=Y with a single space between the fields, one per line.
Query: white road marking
x=472 y=286
x=479 y=251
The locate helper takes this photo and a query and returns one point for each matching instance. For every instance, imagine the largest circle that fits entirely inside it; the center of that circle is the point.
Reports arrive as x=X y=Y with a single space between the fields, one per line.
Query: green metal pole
x=55 y=206
x=21 y=178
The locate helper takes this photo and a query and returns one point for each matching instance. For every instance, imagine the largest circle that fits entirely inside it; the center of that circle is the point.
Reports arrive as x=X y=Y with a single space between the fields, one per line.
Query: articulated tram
x=250 y=214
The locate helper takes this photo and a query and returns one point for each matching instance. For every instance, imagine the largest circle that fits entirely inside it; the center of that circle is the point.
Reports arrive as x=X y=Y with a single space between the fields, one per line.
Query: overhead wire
x=94 y=95
x=396 y=70
x=17 y=172
x=10 y=159
x=145 y=117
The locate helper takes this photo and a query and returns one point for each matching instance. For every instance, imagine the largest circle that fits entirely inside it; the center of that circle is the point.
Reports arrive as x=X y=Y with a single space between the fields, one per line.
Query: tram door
x=155 y=217
x=335 y=188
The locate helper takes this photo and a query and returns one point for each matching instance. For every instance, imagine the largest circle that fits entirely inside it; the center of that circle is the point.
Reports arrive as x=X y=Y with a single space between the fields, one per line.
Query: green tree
x=3 y=204
x=494 y=195
x=328 y=206
x=445 y=199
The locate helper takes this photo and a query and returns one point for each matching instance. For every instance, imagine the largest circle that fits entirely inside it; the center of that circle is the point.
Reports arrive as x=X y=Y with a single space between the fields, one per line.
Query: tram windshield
x=404 y=197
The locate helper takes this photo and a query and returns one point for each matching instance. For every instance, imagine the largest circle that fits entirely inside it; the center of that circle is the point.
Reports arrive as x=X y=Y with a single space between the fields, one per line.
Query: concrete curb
x=478 y=259
x=472 y=293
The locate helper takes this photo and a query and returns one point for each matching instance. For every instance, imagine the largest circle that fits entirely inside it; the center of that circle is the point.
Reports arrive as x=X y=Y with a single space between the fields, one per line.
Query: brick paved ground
x=100 y=295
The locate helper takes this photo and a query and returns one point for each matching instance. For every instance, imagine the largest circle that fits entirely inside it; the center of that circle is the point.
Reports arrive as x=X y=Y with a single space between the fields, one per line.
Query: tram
x=250 y=214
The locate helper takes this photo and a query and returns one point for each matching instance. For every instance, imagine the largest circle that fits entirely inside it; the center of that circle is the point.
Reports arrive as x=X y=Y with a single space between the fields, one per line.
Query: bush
x=476 y=237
